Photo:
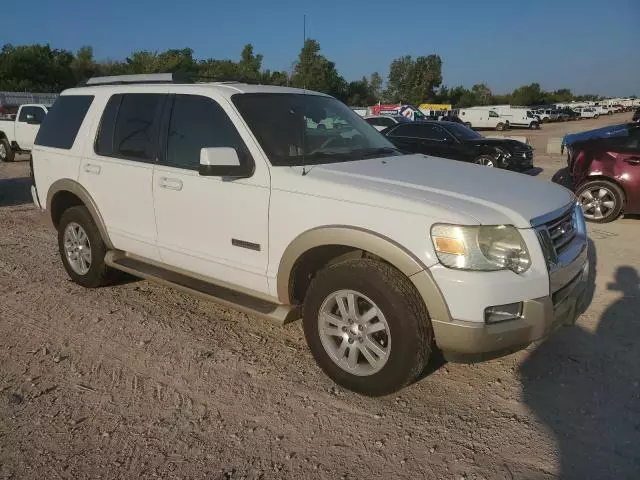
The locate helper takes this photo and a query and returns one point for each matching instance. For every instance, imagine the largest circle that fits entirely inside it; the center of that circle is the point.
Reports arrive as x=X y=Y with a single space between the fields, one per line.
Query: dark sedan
x=455 y=141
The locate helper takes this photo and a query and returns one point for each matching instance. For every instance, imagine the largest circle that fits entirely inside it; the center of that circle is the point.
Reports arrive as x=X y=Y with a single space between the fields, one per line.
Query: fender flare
x=372 y=242
x=71 y=186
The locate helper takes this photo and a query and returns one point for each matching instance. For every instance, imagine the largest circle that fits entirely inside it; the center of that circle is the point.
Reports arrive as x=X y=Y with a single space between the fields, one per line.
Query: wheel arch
x=318 y=247
x=65 y=193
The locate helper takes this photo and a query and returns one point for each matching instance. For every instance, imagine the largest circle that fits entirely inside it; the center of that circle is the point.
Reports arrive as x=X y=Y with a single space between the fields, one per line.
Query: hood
x=443 y=189
x=603 y=132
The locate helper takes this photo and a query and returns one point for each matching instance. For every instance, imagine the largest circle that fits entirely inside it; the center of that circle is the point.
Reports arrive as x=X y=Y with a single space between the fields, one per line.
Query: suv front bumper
x=468 y=341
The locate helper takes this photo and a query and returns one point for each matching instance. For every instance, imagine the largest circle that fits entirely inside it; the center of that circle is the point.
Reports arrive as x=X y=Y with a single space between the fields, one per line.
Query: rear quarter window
x=60 y=126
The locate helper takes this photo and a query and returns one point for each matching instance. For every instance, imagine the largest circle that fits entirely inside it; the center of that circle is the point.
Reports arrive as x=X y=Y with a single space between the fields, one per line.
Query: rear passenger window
x=129 y=126
x=198 y=122
x=60 y=126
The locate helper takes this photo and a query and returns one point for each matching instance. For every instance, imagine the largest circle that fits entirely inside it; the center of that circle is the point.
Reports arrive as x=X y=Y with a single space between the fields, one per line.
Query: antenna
x=304 y=91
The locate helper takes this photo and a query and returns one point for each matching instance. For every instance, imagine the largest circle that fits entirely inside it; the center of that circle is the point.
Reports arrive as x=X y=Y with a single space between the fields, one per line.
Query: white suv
x=228 y=191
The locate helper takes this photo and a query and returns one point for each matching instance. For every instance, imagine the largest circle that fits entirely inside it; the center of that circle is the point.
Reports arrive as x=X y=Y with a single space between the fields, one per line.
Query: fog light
x=502 y=313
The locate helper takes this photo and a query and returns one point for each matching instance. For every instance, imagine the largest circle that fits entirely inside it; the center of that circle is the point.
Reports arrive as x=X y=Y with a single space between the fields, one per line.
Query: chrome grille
x=526 y=153
x=556 y=235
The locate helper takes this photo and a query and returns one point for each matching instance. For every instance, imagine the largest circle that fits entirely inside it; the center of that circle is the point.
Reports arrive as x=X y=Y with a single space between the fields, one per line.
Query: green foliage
x=414 y=81
x=39 y=68
x=35 y=68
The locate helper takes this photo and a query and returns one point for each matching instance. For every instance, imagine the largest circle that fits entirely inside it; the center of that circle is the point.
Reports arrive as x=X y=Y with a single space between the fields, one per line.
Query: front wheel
x=367 y=327
x=485 y=161
x=601 y=201
x=6 y=152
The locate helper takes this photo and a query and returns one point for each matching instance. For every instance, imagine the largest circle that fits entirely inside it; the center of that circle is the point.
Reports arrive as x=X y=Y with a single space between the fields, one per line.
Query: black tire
x=406 y=315
x=500 y=127
x=6 y=152
x=467 y=124
x=596 y=116
x=534 y=126
x=617 y=194
x=98 y=274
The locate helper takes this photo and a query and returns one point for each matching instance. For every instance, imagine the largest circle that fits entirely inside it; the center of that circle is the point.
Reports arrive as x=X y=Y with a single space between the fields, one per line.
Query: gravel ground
x=140 y=381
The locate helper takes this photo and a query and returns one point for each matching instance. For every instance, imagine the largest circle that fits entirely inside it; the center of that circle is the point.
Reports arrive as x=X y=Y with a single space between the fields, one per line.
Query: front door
x=28 y=124
x=212 y=226
x=117 y=170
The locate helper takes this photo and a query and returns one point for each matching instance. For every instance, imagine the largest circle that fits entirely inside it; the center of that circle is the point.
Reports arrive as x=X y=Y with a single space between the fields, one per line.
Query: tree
x=562 y=95
x=414 y=81
x=250 y=64
x=375 y=86
x=35 y=68
x=314 y=71
x=83 y=66
x=528 y=95
x=482 y=94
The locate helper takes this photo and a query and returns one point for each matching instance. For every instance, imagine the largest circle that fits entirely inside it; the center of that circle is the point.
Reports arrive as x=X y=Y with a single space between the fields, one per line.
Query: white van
x=482 y=118
x=518 y=117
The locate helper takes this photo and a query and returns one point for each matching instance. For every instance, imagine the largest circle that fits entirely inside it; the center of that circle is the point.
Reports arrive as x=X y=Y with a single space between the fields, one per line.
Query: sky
x=589 y=46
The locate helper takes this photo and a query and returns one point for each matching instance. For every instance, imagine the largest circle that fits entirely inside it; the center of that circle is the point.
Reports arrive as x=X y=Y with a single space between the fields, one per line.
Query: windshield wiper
x=373 y=152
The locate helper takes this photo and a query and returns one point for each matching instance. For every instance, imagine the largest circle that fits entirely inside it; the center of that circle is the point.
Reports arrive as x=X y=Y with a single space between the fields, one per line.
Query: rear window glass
x=61 y=124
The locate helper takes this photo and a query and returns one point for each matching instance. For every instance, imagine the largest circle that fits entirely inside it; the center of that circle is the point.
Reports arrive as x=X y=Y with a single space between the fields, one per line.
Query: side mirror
x=223 y=162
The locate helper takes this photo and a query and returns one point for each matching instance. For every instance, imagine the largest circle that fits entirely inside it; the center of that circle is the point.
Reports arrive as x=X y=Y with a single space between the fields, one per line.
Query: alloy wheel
x=597 y=203
x=3 y=152
x=77 y=248
x=354 y=332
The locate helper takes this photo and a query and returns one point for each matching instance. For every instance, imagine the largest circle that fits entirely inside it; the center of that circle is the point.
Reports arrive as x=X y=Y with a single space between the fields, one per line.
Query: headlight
x=485 y=248
x=503 y=153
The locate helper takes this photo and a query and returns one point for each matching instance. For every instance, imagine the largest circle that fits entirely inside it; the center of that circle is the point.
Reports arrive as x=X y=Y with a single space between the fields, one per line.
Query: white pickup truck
x=17 y=135
x=236 y=193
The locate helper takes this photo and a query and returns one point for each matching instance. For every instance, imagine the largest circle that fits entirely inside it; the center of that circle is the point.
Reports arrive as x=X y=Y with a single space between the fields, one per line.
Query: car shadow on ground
x=15 y=191
x=584 y=386
x=562 y=177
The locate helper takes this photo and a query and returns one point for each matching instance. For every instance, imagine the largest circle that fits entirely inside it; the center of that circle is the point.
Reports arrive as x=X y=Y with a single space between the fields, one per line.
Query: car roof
x=225 y=89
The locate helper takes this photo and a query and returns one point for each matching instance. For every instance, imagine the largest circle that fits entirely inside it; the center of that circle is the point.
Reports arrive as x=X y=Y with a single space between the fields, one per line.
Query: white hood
x=444 y=189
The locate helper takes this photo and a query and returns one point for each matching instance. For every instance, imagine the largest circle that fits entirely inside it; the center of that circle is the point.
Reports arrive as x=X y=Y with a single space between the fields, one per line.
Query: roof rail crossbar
x=138 y=78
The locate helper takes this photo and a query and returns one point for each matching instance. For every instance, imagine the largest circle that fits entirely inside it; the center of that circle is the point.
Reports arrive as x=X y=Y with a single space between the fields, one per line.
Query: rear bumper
x=471 y=341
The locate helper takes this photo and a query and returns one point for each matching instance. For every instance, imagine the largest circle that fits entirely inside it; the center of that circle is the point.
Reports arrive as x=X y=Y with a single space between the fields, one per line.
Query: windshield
x=462 y=133
x=303 y=129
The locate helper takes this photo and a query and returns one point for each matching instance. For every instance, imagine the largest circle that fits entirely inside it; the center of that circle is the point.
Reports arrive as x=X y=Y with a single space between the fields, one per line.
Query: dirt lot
x=140 y=381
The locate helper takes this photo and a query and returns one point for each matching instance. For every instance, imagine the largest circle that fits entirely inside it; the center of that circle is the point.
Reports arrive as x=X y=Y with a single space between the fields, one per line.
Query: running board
x=244 y=302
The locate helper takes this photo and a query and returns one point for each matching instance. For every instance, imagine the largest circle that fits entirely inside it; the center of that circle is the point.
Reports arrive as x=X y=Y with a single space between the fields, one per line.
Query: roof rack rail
x=176 y=77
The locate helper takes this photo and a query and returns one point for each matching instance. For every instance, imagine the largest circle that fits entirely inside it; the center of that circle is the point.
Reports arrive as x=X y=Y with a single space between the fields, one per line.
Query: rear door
x=117 y=170
x=27 y=125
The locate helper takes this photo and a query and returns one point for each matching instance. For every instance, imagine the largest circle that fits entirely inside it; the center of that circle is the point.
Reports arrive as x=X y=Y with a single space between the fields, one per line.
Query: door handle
x=90 y=168
x=171 y=183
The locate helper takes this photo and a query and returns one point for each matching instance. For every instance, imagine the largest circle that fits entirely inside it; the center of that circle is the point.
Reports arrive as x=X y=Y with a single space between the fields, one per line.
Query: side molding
x=68 y=185
x=348 y=236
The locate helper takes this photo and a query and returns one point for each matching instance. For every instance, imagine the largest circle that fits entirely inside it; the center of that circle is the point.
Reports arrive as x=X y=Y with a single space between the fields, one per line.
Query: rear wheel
x=500 y=127
x=601 y=201
x=82 y=248
x=367 y=327
x=6 y=152
x=467 y=124
x=534 y=125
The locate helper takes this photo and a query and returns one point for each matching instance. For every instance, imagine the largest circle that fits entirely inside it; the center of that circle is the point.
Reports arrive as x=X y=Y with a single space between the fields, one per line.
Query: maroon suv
x=606 y=174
